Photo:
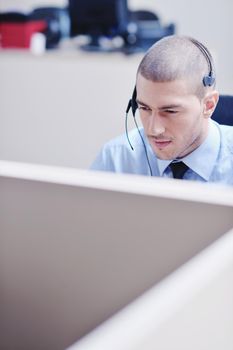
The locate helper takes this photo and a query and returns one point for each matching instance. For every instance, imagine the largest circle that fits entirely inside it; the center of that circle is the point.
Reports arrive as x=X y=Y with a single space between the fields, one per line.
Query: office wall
x=209 y=21
x=60 y=108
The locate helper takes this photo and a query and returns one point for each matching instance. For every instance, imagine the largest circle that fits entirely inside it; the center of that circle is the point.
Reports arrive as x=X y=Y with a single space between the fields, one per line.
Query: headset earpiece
x=128 y=106
x=208 y=80
x=134 y=104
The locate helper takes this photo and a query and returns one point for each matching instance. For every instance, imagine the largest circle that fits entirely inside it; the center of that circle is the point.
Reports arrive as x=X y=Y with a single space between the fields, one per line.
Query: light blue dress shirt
x=212 y=161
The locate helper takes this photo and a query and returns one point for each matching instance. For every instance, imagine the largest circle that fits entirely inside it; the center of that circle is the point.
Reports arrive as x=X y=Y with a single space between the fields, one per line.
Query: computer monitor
x=107 y=18
x=190 y=309
x=77 y=246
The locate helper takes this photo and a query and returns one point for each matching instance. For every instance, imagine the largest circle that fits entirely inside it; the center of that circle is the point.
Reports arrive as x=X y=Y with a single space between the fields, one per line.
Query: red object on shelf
x=18 y=35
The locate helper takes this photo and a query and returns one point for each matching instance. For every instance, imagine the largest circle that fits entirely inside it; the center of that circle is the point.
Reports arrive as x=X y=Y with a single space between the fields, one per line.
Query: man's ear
x=210 y=103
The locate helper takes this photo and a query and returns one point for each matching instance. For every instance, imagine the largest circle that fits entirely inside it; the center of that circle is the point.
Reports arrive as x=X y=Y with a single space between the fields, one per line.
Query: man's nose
x=156 y=124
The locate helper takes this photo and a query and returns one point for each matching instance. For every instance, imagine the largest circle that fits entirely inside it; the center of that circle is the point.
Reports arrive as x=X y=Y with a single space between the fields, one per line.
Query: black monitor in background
x=98 y=18
x=104 y=20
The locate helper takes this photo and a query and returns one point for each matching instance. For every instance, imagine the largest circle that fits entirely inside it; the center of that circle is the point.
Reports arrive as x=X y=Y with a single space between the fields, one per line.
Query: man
x=175 y=97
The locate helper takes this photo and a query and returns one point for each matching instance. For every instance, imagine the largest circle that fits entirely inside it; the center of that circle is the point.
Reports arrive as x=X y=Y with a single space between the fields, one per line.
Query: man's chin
x=163 y=156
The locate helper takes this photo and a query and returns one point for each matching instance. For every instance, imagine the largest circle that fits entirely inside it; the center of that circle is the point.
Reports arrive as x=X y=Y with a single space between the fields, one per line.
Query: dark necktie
x=178 y=169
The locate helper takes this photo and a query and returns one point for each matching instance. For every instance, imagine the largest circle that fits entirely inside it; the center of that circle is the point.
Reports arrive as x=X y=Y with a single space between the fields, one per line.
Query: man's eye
x=171 y=111
x=144 y=108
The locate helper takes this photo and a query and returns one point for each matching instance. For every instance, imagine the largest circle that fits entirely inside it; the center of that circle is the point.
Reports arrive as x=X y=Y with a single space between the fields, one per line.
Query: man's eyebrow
x=141 y=103
x=171 y=106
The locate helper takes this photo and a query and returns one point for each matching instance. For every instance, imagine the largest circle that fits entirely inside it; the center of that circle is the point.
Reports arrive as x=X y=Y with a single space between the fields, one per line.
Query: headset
x=208 y=80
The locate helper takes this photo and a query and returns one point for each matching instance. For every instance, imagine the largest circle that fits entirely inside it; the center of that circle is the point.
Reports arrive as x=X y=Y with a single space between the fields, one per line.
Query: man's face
x=172 y=117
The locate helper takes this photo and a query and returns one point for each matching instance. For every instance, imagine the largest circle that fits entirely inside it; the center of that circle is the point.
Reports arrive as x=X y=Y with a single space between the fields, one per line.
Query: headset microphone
x=133 y=105
x=126 y=125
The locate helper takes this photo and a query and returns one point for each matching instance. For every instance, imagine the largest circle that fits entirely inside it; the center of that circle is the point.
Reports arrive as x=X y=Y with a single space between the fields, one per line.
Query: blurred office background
x=60 y=106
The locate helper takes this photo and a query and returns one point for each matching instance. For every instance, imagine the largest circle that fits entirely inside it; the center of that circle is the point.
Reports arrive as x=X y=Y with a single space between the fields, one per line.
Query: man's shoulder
x=226 y=132
x=122 y=140
x=228 y=129
x=117 y=155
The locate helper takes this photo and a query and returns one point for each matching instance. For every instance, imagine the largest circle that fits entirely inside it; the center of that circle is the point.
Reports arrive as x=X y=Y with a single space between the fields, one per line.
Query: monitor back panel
x=72 y=256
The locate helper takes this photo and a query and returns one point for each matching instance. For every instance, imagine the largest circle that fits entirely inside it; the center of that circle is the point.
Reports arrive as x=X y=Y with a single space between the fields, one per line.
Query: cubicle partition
x=147 y=260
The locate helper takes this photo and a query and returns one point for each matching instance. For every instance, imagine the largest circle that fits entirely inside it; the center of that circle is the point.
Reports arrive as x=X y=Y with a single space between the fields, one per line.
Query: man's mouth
x=160 y=143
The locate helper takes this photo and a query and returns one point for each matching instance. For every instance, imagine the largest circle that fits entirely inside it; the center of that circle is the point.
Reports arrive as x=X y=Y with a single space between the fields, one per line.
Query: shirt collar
x=162 y=165
x=202 y=160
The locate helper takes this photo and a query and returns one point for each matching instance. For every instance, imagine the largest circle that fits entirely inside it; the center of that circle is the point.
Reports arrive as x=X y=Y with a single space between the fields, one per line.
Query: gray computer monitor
x=190 y=309
x=78 y=246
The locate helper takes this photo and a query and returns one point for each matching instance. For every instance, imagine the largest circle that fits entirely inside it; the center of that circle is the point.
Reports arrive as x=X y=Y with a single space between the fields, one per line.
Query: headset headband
x=208 y=80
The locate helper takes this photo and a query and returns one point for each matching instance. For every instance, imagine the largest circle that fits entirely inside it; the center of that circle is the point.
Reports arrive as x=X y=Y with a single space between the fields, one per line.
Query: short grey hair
x=177 y=58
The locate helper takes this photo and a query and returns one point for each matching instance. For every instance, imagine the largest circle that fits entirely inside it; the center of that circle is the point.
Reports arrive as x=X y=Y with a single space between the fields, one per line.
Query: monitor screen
x=98 y=17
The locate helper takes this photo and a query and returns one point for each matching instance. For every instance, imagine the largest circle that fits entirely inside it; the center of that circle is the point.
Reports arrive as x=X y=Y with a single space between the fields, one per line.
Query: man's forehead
x=147 y=89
